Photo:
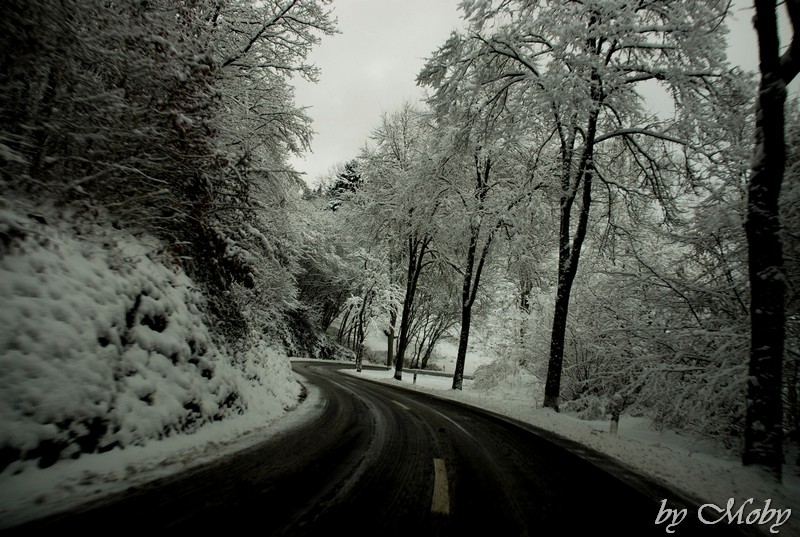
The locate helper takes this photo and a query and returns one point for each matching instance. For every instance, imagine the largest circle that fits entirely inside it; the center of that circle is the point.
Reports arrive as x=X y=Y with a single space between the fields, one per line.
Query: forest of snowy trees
x=150 y=262
x=582 y=183
x=173 y=118
x=577 y=184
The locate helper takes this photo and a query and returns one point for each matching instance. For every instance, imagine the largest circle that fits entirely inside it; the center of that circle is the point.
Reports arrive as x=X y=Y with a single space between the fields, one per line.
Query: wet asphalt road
x=379 y=460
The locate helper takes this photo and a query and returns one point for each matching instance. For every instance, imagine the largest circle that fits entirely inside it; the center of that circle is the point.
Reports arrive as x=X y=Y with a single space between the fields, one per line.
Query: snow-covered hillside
x=104 y=345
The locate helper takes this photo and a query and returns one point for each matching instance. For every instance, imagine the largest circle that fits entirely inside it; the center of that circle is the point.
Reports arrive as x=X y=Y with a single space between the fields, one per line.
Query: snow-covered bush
x=590 y=407
x=515 y=339
x=503 y=373
x=674 y=350
x=103 y=346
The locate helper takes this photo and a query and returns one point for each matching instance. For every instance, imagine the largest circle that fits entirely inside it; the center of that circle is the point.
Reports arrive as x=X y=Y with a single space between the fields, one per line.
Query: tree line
x=176 y=119
x=641 y=255
x=630 y=257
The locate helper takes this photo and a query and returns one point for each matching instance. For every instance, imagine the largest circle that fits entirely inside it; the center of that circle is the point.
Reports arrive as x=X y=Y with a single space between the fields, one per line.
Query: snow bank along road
x=379 y=460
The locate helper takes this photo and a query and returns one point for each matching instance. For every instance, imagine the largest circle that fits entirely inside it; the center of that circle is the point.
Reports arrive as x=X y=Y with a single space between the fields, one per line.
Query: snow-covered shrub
x=302 y=339
x=508 y=381
x=103 y=346
x=590 y=407
x=267 y=385
x=678 y=357
x=176 y=132
x=707 y=399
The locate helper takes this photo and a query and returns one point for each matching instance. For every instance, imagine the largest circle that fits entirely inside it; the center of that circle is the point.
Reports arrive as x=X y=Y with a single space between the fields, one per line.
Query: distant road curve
x=379 y=460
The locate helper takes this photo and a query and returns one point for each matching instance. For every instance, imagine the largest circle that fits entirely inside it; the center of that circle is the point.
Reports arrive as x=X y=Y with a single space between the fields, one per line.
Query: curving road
x=378 y=460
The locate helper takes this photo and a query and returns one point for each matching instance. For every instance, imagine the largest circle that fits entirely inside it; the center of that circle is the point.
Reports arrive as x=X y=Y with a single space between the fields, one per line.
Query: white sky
x=371 y=67
x=367 y=69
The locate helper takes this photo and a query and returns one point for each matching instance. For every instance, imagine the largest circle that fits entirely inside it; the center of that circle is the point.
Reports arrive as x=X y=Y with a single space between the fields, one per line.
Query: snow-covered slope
x=103 y=345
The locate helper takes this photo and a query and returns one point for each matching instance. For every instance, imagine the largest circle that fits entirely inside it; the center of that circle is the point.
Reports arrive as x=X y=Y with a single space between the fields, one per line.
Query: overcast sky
x=371 y=67
x=367 y=69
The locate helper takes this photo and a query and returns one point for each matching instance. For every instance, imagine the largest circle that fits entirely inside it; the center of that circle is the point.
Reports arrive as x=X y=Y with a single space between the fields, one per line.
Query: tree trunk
x=390 y=338
x=466 y=308
x=427 y=356
x=472 y=279
x=404 y=325
x=552 y=391
x=390 y=347
x=415 y=264
x=361 y=331
x=569 y=255
x=526 y=286
x=794 y=401
x=463 y=343
x=473 y=270
x=763 y=435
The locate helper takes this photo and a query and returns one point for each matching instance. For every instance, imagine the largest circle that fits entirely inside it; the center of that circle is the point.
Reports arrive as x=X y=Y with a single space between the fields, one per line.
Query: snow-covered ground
x=94 y=323
x=688 y=464
x=36 y=492
x=107 y=364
